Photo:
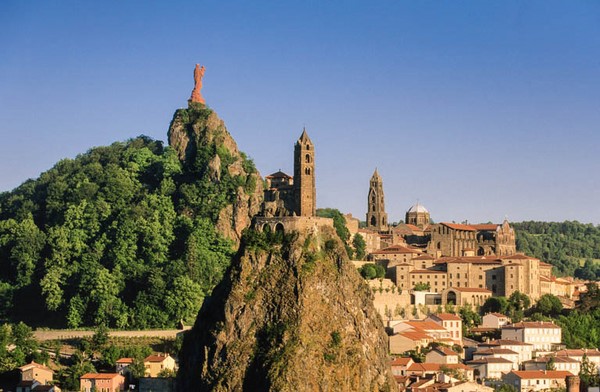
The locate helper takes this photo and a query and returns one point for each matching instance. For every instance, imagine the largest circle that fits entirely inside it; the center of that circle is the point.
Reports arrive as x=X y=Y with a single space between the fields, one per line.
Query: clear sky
x=479 y=110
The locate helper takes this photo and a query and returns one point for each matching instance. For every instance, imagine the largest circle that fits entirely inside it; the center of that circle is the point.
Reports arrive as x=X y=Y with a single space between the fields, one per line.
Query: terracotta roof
x=457 y=226
x=413 y=227
x=401 y=361
x=425 y=325
x=490 y=360
x=415 y=335
x=125 y=360
x=504 y=342
x=500 y=315
x=486 y=227
x=469 y=260
x=556 y=359
x=103 y=376
x=471 y=290
x=423 y=257
x=436 y=366
x=155 y=358
x=578 y=353
x=492 y=351
x=278 y=174
x=533 y=374
x=446 y=316
x=531 y=324
x=395 y=249
x=446 y=351
x=518 y=257
x=542 y=264
x=33 y=364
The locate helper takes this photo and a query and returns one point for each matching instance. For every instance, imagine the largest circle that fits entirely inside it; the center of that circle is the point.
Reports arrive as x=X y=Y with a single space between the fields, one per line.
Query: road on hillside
x=76 y=334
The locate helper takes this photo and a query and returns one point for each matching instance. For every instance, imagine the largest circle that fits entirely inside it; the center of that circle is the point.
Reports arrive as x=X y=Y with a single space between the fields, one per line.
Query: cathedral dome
x=418 y=208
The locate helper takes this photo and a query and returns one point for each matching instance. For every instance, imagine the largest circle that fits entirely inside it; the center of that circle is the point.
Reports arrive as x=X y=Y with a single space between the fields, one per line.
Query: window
x=457 y=276
x=493 y=277
x=307 y=158
x=480 y=277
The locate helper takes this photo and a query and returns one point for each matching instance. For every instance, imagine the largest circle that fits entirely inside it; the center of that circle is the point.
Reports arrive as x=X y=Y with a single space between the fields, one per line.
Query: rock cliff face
x=291 y=314
x=231 y=187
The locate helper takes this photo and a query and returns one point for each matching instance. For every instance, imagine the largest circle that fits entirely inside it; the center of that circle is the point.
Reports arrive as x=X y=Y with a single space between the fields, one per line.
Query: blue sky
x=480 y=110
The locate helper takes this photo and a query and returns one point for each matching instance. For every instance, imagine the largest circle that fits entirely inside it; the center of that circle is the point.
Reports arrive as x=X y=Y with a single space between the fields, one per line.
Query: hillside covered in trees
x=125 y=235
x=573 y=248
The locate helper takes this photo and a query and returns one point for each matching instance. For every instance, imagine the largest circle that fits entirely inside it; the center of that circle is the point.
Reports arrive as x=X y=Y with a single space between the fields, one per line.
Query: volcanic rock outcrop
x=291 y=314
x=232 y=187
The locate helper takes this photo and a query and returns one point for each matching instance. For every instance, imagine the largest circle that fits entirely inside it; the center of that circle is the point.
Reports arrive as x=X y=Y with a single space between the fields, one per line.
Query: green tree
x=550 y=365
x=360 y=247
x=588 y=373
x=549 y=305
x=422 y=287
x=495 y=305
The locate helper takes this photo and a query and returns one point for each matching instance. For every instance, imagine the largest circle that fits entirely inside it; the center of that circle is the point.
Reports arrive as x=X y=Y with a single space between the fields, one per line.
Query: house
x=435 y=330
x=543 y=335
x=525 y=350
x=491 y=367
x=108 y=382
x=35 y=386
x=154 y=364
x=122 y=365
x=399 y=365
x=593 y=355
x=495 y=320
x=451 y=322
x=495 y=352
x=467 y=386
x=560 y=363
x=432 y=369
x=442 y=354
x=536 y=380
x=35 y=371
x=405 y=341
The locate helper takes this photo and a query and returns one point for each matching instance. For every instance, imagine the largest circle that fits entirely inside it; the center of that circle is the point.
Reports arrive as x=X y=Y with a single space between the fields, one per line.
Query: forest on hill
x=122 y=236
x=573 y=248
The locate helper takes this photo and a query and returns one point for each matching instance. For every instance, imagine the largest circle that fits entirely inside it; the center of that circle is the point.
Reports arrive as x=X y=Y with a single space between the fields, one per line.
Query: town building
x=441 y=354
x=108 y=382
x=536 y=380
x=154 y=364
x=36 y=372
x=543 y=335
x=494 y=320
x=451 y=322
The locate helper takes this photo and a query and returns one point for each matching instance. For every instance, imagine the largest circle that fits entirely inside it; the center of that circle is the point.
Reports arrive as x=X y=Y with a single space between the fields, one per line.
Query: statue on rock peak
x=198 y=74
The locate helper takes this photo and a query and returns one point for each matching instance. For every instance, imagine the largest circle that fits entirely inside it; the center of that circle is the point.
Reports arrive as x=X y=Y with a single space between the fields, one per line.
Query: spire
x=375 y=175
x=304 y=137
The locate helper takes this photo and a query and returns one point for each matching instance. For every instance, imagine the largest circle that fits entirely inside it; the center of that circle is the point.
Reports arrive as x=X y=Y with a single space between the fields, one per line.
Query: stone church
x=290 y=203
x=437 y=239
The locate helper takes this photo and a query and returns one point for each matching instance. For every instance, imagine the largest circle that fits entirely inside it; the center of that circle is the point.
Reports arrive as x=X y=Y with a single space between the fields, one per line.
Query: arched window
x=307 y=158
x=308 y=146
x=373 y=221
x=279 y=228
x=307 y=170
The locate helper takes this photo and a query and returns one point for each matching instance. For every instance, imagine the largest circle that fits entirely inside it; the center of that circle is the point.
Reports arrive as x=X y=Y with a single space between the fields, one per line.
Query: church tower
x=305 y=194
x=376 y=216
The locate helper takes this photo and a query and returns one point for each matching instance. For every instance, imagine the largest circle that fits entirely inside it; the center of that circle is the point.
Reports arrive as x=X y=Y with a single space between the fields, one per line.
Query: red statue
x=198 y=74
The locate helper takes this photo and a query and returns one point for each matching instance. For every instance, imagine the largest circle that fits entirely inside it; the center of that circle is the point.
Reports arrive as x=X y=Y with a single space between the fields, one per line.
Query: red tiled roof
x=278 y=174
x=532 y=324
x=499 y=315
x=423 y=257
x=492 y=351
x=504 y=342
x=518 y=257
x=486 y=227
x=436 y=366
x=457 y=226
x=542 y=264
x=155 y=358
x=103 y=376
x=578 y=353
x=533 y=374
x=125 y=360
x=427 y=271
x=401 y=361
x=395 y=249
x=425 y=325
x=415 y=335
x=34 y=364
x=446 y=351
x=490 y=360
